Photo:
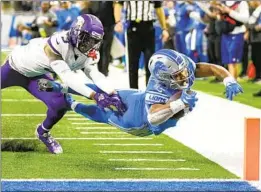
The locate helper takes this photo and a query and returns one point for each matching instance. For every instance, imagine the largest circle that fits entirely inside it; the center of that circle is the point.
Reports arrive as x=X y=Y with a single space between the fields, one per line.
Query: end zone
x=126 y=185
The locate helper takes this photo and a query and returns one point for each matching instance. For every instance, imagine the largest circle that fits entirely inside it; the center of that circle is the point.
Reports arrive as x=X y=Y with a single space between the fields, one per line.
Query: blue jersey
x=66 y=17
x=138 y=103
x=197 y=24
x=135 y=119
x=184 y=22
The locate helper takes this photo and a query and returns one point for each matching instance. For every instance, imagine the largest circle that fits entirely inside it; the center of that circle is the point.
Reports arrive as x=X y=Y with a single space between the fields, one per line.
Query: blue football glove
x=232 y=88
x=189 y=99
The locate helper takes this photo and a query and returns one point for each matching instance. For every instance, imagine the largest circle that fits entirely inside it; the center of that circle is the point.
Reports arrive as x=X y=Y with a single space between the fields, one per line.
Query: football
x=174 y=97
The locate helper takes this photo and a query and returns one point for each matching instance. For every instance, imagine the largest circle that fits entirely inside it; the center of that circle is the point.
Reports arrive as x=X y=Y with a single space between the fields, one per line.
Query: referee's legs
x=134 y=51
x=103 y=64
x=149 y=49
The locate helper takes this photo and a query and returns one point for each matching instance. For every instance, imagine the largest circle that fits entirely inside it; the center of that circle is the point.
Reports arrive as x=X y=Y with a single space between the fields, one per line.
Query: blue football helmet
x=171 y=69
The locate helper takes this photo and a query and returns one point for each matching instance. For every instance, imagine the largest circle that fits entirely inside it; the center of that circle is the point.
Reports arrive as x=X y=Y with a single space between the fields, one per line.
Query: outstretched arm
x=159 y=113
x=207 y=70
x=69 y=77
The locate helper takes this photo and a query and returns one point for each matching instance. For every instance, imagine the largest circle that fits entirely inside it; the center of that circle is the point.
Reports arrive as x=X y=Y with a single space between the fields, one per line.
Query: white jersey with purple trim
x=31 y=60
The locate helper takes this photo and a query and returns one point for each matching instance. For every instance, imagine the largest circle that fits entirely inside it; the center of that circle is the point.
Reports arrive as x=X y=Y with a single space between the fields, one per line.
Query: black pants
x=140 y=38
x=214 y=50
x=105 y=50
x=245 y=59
x=256 y=58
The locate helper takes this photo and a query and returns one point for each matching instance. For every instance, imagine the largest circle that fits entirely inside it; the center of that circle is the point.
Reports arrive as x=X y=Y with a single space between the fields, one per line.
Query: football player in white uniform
x=65 y=54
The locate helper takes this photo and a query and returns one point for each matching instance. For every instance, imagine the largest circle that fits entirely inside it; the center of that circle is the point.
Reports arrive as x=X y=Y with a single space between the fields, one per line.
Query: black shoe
x=258 y=94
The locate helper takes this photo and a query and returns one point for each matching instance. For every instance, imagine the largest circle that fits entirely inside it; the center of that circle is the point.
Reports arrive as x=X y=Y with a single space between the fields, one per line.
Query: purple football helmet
x=86 y=33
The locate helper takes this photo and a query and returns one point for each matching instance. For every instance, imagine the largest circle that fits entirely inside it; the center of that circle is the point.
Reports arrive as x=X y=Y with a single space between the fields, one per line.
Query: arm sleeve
x=71 y=78
x=243 y=14
x=99 y=79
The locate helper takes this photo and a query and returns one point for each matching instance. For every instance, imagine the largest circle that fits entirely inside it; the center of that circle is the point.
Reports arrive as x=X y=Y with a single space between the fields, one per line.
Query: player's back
x=30 y=60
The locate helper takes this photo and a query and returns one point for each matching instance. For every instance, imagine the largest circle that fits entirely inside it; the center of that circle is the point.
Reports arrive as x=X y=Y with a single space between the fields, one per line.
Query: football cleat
x=52 y=145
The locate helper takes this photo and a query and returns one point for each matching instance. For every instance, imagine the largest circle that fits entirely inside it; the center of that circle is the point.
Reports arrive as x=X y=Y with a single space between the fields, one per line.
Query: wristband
x=228 y=79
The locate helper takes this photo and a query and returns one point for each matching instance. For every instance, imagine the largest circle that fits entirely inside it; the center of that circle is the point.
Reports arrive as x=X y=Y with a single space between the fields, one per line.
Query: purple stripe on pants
x=56 y=102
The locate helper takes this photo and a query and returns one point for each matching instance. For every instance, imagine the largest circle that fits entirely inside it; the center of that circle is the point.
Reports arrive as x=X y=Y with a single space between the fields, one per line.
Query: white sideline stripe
x=76 y=138
x=156 y=169
x=159 y=160
x=126 y=144
x=95 y=128
x=34 y=115
x=86 y=123
x=125 y=180
x=134 y=152
x=103 y=132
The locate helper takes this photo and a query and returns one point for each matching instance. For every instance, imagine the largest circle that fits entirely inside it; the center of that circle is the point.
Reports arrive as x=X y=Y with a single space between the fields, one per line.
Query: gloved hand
x=49 y=86
x=232 y=88
x=116 y=101
x=189 y=98
x=104 y=100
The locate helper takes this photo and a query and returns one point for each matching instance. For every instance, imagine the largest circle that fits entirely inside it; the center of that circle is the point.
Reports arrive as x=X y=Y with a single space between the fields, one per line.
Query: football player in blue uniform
x=154 y=110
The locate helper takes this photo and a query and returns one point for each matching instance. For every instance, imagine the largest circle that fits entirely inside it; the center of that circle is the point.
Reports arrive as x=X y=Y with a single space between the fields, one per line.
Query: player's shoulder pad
x=155 y=93
x=59 y=43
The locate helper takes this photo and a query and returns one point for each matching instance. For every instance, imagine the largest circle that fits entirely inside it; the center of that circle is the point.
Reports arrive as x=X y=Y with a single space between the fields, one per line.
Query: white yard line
x=138 y=152
x=28 y=100
x=155 y=169
x=20 y=100
x=153 y=160
x=76 y=138
x=95 y=128
x=127 y=144
x=104 y=132
x=78 y=119
x=15 y=90
x=34 y=115
x=87 y=123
